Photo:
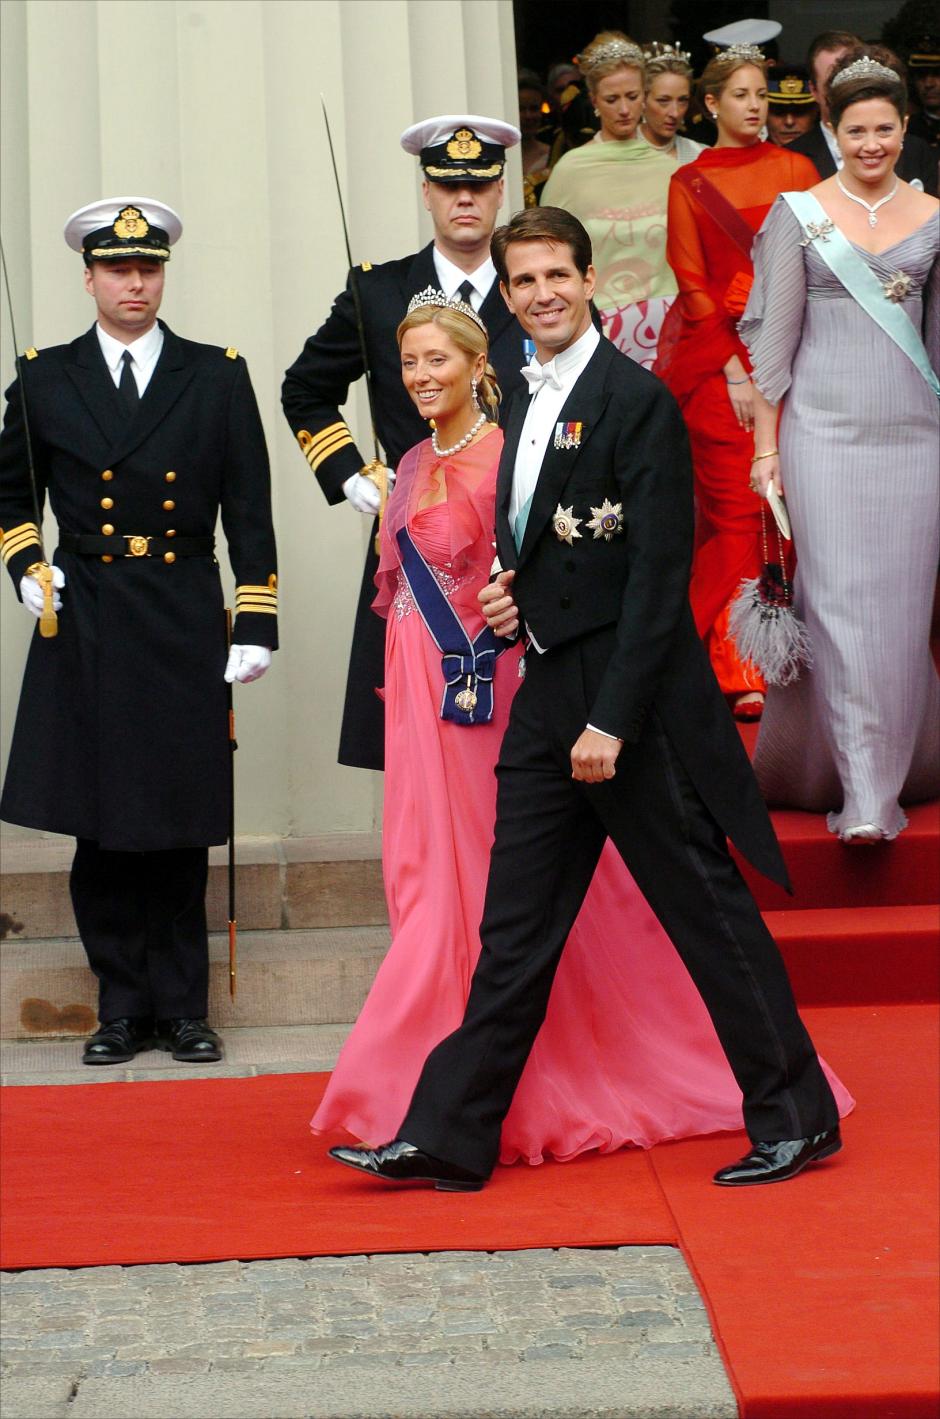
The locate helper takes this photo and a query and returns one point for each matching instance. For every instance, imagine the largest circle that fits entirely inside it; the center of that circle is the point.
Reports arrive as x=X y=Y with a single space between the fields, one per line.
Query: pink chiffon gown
x=627 y=1053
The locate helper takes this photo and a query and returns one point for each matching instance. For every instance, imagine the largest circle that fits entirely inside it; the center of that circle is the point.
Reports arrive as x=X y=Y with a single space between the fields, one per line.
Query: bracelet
x=771 y=453
x=745 y=380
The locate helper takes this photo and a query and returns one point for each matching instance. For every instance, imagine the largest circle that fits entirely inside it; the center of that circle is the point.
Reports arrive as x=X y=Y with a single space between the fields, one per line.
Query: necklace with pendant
x=446 y=452
x=870 y=207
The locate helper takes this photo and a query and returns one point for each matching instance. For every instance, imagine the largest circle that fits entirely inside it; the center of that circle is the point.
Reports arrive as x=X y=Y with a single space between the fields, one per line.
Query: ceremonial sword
x=48 y=621
x=376 y=471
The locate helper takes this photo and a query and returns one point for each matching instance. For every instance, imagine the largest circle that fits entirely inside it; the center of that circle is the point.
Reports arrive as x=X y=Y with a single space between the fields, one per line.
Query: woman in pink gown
x=627 y=1053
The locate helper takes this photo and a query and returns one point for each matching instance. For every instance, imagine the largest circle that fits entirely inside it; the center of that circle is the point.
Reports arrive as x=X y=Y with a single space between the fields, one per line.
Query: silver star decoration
x=898 y=287
x=818 y=229
x=607 y=520
x=566 y=524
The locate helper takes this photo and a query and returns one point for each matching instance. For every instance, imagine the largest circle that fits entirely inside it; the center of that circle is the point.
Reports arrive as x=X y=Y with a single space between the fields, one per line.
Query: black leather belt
x=96 y=545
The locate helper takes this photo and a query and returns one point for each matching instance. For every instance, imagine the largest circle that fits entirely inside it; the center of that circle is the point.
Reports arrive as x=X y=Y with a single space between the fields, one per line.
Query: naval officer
x=462 y=157
x=139 y=438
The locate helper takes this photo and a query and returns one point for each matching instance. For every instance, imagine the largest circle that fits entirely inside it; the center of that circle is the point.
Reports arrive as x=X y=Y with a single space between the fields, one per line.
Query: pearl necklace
x=446 y=452
x=871 y=208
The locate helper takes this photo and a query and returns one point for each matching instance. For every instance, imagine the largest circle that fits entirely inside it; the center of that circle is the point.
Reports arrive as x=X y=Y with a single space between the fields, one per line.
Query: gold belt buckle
x=137 y=546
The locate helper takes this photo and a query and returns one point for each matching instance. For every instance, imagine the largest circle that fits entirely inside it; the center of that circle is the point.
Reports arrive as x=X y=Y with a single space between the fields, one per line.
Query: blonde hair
x=608 y=52
x=469 y=337
x=719 y=70
x=665 y=64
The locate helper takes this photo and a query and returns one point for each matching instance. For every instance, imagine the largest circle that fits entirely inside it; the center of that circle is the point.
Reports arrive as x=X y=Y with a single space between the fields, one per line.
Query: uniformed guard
x=922 y=52
x=139 y=438
x=462 y=157
x=791 y=107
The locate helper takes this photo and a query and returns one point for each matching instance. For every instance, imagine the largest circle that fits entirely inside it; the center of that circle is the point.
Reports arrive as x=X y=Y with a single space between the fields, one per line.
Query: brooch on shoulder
x=818 y=230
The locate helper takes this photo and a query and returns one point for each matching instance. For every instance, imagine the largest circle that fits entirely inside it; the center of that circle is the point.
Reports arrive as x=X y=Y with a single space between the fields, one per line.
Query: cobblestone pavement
x=556 y=1313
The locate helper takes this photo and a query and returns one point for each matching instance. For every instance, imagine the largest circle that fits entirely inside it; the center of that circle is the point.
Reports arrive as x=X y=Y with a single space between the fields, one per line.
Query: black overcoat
x=315 y=387
x=121 y=734
x=629 y=456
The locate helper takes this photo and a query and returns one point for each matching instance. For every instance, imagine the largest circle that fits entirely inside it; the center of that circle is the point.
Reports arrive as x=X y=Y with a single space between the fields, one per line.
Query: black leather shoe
x=775 y=1162
x=189 y=1040
x=117 y=1041
x=399 y=1161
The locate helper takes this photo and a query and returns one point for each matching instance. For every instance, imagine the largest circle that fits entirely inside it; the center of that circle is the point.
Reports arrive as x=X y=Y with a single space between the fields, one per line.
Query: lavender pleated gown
x=859 y=733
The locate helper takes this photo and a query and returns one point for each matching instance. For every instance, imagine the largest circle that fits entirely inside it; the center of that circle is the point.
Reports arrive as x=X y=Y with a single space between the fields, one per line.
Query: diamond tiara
x=436 y=299
x=622 y=49
x=864 y=68
x=748 y=52
x=659 y=51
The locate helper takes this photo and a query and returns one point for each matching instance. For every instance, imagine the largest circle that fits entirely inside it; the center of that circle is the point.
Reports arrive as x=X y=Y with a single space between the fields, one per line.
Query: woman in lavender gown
x=842 y=328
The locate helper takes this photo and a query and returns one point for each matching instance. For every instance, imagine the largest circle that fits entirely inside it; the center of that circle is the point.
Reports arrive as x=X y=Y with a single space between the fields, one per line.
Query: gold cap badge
x=131 y=225
x=464 y=146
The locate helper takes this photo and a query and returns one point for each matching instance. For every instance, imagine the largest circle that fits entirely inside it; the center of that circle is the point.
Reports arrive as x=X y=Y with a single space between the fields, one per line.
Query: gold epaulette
x=317 y=448
x=18 y=539
x=367 y=266
x=32 y=353
x=257 y=598
x=231 y=353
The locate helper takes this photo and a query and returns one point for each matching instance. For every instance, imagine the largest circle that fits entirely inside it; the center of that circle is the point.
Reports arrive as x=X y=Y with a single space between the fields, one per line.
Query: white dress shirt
x=545 y=405
x=450 y=278
x=145 y=351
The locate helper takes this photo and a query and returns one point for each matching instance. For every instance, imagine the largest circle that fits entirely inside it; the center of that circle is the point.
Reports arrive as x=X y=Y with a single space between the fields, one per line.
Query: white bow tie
x=537 y=375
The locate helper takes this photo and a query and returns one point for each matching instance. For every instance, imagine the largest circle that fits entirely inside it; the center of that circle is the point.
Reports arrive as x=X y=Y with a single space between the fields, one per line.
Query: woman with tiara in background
x=667 y=93
x=627 y=1053
x=617 y=185
x=843 y=329
x=716 y=204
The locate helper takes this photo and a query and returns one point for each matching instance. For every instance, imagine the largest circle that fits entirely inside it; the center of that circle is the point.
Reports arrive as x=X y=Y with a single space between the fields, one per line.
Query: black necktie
x=128 y=386
x=466 y=291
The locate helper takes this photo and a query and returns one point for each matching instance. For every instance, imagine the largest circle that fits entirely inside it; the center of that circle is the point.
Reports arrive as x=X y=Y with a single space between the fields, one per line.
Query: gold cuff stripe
x=340 y=441
x=311 y=442
x=256 y=598
x=255 y=609
x=25 y=535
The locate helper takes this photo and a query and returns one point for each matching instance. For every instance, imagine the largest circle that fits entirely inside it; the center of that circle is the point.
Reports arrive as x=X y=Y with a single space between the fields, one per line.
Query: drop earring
x=473 y=393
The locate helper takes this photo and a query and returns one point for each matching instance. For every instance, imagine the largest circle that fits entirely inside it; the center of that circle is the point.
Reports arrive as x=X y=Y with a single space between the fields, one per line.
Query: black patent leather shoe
x=775 y=1162
x=117 y=1041
x=402 y=1162
x=189 y=1040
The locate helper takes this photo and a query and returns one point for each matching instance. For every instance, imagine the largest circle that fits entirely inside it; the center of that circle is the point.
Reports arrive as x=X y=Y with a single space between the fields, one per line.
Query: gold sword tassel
x=48 y=620
x=377 y=473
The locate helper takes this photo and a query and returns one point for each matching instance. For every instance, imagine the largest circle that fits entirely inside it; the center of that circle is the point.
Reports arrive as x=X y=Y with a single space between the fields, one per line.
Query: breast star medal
x=898 y=287
x=607 y=520
x=566 y=524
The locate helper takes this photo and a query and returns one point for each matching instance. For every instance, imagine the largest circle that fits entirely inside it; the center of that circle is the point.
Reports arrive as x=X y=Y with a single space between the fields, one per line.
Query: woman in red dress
x=716 y=205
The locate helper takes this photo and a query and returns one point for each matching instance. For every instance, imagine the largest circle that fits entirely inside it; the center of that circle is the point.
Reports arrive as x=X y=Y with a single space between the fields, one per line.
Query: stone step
x=279 y=882
x=249 y=1051
x=308 y=976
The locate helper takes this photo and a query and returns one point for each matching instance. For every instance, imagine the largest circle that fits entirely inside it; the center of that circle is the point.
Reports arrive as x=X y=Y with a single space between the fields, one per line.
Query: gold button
x=107 y=502
x=107 y=529
x=169 y=556
x=171 y=532
x=169 y=505
x=107 y=557
x=107 y=475
x=170 y=477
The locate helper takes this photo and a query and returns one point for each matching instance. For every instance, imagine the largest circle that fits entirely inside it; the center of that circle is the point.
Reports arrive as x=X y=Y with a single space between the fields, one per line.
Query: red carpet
x=823 y=1291
x=95 y=1174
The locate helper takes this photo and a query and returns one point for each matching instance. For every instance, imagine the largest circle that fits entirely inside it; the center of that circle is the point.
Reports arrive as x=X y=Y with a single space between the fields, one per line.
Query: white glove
x=247 y=663
x=363 y=494
x=31 y=592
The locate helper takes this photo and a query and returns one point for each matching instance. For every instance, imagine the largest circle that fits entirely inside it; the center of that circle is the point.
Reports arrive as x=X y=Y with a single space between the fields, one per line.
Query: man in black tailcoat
x=462 y=159
x=619 y=730
x=139 y=438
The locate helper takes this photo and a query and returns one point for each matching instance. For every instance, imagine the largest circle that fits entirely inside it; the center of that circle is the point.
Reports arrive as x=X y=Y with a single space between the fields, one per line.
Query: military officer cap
x=461 y=147
x=118 y=227
x=923 y=52
x=744 y=32
x=789 y=88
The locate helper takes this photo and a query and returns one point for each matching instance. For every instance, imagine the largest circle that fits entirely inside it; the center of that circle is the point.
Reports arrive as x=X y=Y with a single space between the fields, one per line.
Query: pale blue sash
x=522 y=518
x=859 y=280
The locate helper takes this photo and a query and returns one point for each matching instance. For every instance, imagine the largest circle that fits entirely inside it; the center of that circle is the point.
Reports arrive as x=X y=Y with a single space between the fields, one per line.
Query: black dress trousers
x=549 y=834
x=142 y=920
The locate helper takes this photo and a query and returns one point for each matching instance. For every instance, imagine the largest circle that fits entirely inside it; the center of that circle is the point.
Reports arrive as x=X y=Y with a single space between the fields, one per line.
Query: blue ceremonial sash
x=859 y=280
x=467 y=665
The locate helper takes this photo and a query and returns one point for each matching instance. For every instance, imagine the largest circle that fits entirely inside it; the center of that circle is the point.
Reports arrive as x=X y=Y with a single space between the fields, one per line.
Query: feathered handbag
x=762 y=623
